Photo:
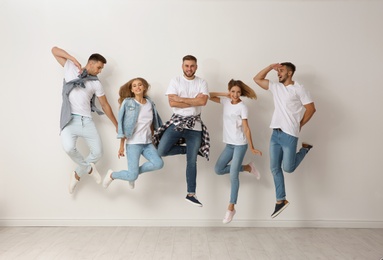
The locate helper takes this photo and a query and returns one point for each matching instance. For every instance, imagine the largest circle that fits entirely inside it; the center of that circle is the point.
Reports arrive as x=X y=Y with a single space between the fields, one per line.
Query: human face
x=283 y=74
x=235 y=94
x=189 y=68
x=138 y=88
x=95 y=67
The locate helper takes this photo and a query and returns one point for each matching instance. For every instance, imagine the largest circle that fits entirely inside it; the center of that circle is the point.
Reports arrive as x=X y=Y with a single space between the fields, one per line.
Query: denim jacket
x=128 y=115
x=66 y=113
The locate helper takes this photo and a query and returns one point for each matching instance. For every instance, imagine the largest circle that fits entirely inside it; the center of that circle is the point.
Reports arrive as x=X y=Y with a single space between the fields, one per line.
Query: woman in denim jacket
x=137 y=121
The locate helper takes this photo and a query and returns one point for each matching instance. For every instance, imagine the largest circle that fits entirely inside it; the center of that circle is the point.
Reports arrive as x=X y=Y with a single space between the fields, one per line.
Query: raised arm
x=108 y=110
x=310 y=110
x=260 y=77
x=214 y=96
x=62 y=56
x=180 y=102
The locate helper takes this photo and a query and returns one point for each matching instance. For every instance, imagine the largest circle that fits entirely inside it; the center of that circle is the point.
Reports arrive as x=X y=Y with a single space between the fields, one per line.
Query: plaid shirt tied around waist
x=180 y=123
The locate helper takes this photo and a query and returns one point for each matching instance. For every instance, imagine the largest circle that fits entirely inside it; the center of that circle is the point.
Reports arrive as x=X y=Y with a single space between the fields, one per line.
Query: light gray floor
x=189 y=243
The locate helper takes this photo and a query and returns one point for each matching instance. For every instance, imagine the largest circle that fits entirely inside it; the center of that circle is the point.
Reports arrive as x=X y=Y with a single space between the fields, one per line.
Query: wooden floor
x=189 y=243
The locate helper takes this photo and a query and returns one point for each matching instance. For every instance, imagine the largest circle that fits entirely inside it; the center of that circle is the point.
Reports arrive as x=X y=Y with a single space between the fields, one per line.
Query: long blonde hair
x=126 y=89
x=246 y=91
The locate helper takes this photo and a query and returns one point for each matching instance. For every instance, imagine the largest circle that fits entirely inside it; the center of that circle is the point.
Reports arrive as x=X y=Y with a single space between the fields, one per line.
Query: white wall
x=336 y=46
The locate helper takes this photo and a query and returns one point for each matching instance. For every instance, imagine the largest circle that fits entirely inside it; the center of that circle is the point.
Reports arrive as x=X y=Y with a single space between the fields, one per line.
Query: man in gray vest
x=81 y=86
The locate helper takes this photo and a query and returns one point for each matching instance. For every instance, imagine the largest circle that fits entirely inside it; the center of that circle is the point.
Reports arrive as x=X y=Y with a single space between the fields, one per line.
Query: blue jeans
x=283 y=155
x=235 y=154
x=81 y=126
x=167 y=146
x=133 y=153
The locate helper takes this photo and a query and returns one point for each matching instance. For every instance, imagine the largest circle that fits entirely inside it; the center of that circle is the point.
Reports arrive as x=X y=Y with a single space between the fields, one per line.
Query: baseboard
x=193 y=223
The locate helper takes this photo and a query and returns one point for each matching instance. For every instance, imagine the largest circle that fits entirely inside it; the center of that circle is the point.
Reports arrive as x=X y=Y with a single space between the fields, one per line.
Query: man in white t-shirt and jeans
x=187 y=94
x=293 y=109
x=80 y=87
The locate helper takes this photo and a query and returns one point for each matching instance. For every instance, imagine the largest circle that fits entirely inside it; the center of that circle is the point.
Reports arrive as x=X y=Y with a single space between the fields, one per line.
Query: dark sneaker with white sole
x=307 y=146
x=279 y=208
x=193 y=200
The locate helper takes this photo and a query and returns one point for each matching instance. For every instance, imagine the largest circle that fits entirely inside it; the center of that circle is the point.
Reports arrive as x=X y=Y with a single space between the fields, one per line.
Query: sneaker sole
x=195 y=204
x=278 y=212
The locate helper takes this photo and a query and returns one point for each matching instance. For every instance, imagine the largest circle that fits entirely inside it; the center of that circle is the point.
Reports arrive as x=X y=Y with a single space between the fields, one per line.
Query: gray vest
x=66 y=113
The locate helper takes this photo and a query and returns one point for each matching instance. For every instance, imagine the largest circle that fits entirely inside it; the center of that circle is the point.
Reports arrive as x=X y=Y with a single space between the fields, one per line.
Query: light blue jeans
x=133 y=153
x=235 y=154
x=167 y=147
x=81 y=126
x=283 y=155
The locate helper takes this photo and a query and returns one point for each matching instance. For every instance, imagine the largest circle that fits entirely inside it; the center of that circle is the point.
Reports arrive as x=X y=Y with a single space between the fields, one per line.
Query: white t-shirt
x=289 y=106
x=233 y=114
x=79 y=97
x=185 y=88
x=142 y=133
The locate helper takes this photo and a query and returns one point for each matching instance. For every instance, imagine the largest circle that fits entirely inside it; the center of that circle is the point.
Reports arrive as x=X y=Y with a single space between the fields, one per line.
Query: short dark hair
x=97 y=57
x=189 y=57
x=289 y=66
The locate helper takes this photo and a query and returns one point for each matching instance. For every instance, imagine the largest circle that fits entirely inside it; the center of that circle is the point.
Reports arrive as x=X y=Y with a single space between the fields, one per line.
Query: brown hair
x=246 y=91
x=189 y=57
x=126 y=89
x=289 y=66
x=97 y=57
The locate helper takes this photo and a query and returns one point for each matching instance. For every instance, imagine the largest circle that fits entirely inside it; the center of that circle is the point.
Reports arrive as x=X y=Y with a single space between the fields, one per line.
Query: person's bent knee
x=288 y=169
x=159 y=164
x=161 y=151
x=97 y=155
x=70 y=149
x=218 y=170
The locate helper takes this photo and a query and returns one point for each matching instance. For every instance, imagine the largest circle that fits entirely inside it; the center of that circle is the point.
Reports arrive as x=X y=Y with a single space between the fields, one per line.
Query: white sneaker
x=108 y=179
x=228 y=216
x=95 y=174
x=72 y=182
x=131 y=184
x=254 y=171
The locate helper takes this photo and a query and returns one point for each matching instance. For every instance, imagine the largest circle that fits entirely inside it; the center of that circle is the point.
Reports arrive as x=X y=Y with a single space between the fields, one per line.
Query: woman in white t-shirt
x=237 y=136
x=137 y=120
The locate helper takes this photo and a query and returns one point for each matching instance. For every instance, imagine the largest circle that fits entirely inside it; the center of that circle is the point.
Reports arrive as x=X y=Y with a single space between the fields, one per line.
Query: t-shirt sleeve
x=223 y=100
x=304 y=96
x=244 y=112
x=272 y=86
x=99 y=89
x=204 y=88
x=172 y=88
x=70 y=71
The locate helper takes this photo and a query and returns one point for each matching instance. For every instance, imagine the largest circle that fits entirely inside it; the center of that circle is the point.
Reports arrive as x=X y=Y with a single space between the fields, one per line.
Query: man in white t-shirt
x=80 y=87
x=186 y=94
x=293 y=109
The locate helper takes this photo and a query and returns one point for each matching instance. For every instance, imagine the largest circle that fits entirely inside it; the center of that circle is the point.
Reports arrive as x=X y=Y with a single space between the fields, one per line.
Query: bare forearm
x=109 y=113
x=310 y=110
x=249 y=138
x=181 y=102
x=218 y=94
x=62 y=56
x=260 y=77
x=178 y=104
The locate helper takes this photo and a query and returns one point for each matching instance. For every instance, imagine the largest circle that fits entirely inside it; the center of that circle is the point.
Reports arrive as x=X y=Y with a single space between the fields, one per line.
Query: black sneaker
x=193 y=200
x=279 y=208
x=307 y=146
